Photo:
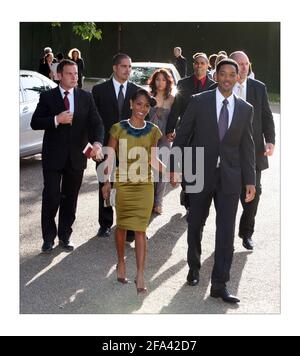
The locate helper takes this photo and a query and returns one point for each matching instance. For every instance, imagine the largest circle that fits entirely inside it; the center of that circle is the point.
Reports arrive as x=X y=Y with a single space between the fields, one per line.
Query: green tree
x=86 y=30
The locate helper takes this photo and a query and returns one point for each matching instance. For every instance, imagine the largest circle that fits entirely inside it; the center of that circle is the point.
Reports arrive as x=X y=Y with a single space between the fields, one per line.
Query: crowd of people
x=219 y=107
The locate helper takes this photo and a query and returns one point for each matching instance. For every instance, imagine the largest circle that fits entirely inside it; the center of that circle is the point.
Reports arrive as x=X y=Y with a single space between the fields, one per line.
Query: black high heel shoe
x=140 y=290
x=119 y=279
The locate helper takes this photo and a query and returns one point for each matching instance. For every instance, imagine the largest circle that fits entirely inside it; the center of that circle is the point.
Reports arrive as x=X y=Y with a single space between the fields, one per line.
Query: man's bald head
x=243 y=62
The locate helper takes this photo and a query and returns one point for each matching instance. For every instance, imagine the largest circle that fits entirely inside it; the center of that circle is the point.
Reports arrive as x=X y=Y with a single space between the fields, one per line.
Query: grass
x=274 y=97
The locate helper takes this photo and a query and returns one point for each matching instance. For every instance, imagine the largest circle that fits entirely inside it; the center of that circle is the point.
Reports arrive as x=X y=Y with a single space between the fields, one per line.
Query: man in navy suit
x=112 y=99
x=255 y=93
x=70 y=120
x=196 y=83
x=222 y=125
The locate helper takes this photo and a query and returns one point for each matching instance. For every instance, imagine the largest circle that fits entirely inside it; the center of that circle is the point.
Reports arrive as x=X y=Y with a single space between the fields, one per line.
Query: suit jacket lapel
x=76 y=102
x=234 y=117
x=59 y=102
x=213 y=112
x=112 y=93
x=250 y=96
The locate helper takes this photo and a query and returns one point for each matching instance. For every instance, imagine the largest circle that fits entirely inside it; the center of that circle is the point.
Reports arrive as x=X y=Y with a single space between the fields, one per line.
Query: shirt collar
x=62 y=90
x=118 y=84
x=220 y=97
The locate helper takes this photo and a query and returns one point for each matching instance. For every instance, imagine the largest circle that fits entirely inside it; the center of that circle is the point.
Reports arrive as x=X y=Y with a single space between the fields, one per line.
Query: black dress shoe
x=248 y=243
x=225 y=295
x=66 y=245
x=130 y=236
x=192 y=277
x=47 y=247
x=104 y=232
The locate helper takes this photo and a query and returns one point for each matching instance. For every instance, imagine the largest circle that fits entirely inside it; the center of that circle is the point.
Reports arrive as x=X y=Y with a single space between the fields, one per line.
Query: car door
x=30 y=88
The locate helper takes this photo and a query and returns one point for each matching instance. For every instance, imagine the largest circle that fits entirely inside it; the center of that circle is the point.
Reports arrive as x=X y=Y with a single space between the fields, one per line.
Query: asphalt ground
x=84 y=281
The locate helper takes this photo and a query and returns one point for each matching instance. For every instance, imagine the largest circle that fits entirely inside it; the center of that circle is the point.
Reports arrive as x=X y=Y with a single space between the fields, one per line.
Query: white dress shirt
x=240 y=90
x=71 y=101
x=117 y=87
x=230 y=107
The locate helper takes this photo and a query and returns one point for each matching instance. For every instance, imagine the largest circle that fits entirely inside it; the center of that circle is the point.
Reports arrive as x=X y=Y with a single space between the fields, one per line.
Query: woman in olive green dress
x=134 y=141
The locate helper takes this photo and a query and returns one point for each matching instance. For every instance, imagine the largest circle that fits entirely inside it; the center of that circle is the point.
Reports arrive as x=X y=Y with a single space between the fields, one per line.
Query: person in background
x=161 y=84
x=70 y=120
x=219 y=58
x=53 y=67
x=255 y=93
x=212 y=64
x=75 y=55
x=43 y=67
x=180 y=62
x=134 y=193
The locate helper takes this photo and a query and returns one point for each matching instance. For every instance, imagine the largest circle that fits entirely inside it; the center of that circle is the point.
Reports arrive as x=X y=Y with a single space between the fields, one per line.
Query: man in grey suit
x=222 y=125
x=255 y=93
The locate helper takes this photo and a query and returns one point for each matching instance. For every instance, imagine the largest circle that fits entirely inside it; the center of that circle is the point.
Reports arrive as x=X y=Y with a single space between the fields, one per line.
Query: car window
x=47 y=86
x=32 y=86
x=140 y=75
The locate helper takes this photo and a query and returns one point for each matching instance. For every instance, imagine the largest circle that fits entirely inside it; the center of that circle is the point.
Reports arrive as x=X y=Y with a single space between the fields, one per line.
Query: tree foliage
x=86 y=30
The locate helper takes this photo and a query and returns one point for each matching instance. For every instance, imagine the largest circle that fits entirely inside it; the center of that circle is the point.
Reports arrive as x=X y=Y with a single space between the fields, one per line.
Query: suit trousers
x=61 y=188
x=226 y=209
x=106 y=214
x=247 y=221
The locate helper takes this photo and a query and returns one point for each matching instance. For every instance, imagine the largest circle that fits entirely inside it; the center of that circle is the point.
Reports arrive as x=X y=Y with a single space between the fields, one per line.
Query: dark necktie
x=223 y=120
x=66 y=100
x=120 y=101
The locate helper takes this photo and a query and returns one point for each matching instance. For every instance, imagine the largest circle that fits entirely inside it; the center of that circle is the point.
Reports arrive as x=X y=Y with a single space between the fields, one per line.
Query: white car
x=142 y=71
x=31 y=85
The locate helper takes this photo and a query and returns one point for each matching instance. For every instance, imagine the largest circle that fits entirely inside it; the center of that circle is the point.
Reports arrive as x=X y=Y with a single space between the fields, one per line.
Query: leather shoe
x=224 y=294
x=192 y=277
x=47 y=247
x=66 y=245
x=248 y=243
x=104 y=232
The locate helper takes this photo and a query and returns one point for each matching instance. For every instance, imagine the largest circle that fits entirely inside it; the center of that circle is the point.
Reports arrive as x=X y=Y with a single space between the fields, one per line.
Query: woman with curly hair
x=161 y=84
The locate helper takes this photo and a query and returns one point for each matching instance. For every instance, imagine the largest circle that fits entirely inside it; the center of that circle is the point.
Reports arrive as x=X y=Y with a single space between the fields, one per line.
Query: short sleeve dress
x=134 y=177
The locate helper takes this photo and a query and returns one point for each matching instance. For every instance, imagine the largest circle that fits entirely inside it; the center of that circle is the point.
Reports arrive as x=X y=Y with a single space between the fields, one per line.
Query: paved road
x=85 y=280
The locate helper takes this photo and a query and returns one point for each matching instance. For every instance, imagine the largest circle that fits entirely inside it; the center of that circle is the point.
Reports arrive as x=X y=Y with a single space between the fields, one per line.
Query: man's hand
x=106 y=190
x=96 y=153
x=269 y=149
x=65 y=117
x=175 y=178
x=250 y=193
x=171 y=136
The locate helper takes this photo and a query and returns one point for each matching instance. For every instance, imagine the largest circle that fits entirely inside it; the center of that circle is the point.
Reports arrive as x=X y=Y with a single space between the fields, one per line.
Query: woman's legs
x=120 y=237
x=140 y=254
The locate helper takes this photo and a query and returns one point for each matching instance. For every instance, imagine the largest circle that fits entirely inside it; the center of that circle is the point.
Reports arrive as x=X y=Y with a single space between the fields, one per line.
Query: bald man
x=255 y=93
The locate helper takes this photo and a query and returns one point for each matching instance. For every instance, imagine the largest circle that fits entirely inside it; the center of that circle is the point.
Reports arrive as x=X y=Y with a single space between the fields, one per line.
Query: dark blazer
x=107 y=104
x=236 y=150
x=185 y=89
x=263 y=124
x=65 y=140
x=181 y=66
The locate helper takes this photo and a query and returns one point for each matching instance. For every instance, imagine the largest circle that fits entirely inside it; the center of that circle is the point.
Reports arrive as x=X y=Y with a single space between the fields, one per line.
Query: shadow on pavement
x=192 y=300
x=84 y=281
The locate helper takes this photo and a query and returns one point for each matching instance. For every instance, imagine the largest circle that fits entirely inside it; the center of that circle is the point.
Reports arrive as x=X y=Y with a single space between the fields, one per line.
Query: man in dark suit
x=255 y=93
x=112 y=99
x=70 y=120
x=180 y=62
x=196 y=83
x=222 y=125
